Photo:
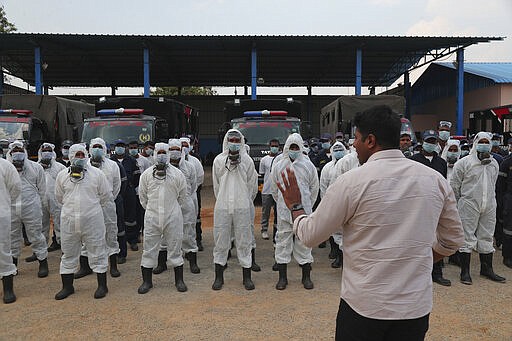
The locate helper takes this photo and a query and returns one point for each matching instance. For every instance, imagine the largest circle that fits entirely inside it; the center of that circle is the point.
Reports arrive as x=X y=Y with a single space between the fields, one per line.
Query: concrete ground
x=482 y=311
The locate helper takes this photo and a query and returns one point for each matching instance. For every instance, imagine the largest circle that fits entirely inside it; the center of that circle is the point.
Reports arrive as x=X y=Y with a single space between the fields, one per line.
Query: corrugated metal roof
x=497 y=72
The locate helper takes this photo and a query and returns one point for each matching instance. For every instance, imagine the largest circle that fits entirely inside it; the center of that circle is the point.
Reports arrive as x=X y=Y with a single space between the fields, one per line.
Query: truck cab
x=17 y=124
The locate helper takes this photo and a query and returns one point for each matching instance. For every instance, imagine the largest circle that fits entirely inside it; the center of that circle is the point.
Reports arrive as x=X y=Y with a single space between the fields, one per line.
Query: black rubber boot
x=162 y=262
x=486 y=269
x=192 y=259
x=454 y=259
x=147 y=280
x=31 y=259
x=334 y=246
x=306 y=276
x=54 y=246
x=85 y=269
x=506 y=250
x=219 y=277
x=283 y=279
x=248 y=284
x=275 y=267
x=43 y=268
x=200 y=246
x=67 y=287
x=9 y=296
x=338 y=261
x=465 y=260
x=15 y=261
x=102 y=285
x=114 y=272
x=254 y=267
x=437 y=275
x=178 y=279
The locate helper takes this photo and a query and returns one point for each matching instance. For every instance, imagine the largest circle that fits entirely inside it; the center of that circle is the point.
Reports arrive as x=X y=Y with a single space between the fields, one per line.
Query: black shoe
x=219 y=277
x=147 y=279
x=102 y=285
x=178 y=279
x=114 y=272
x=454 y=259
x=465 y=260
x=247 y=281
x=443 y=281
x=334 y=246
x=54 y=246
x=192 y=259
x=67 y=287
x=200 y=246
x=134 y=247
x=43 y=268
x=85 y=269
x=31 y=259
x=9 y=296
x=162 y=262
x=338 y=261
x=254 y=267
x=486 y=269
x=275 y=267
x=283 y=279
x=121 y=259
x=306 y=276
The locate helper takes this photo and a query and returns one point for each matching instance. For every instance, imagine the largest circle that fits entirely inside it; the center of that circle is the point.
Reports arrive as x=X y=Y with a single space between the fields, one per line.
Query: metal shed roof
x=116 y=60
x=497 y=72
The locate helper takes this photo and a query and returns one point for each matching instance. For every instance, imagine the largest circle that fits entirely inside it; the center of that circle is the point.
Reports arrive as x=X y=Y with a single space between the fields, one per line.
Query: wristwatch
x=296 y=207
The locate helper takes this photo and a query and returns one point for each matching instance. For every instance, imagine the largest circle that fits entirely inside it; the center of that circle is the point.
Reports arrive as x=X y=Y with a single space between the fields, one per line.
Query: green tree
x=5 y=25
x=186 y=91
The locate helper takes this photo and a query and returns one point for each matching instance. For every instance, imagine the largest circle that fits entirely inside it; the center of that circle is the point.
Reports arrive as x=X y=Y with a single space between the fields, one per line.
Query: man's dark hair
x=381 y=122
x=273 y=140
x=133 y=142
x=149 y=143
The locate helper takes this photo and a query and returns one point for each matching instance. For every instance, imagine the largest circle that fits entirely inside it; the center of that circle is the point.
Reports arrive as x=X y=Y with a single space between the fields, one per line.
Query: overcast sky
x=276 y=17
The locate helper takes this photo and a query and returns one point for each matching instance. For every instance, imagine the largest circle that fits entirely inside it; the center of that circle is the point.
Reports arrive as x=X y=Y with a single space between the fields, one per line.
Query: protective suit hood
x=225 y=149
x=100 y=141
x=294 y=138
x=450 y=143
x=13 y=145
x=75 y=149
x=177 y=143
x=481 y=135
x=337 y=143
x=161 y=146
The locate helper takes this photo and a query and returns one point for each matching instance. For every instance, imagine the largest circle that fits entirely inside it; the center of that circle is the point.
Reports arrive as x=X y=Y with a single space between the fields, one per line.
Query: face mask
x=65 y=153
x=234 y=147
x=338 y=154
x=97 y=153
x=18 y=156
x=483 y=147
x=79 y=162
x=294 y=154
x=451 y=155
x=274 y=150
x=175 y=154
x=306 y=150
x=186 y=150
x=495 y=143
x=119 y=150
x=326 y=145
x=149 y=151
x=444 y=135
x=429 y=147
x=133 y=152
x=46 y=155
x=464 y=153
x=161 y=159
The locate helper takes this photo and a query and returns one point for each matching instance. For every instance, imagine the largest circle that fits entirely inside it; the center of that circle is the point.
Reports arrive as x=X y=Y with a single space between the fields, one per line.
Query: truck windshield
x=261 y=132
x=112 y=130
x=13 y=129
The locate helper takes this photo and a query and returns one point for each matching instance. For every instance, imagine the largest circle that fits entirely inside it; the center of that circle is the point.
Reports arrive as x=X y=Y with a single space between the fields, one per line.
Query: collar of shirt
x=386 y=154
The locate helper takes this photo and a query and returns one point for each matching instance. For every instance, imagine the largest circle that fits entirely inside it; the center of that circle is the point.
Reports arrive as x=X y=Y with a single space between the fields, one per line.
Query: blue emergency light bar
x=120 y=111
x=15 y=111
x=264 y=113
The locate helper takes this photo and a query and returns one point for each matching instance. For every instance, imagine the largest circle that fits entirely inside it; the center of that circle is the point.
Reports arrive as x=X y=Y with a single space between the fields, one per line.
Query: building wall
x=427 y=115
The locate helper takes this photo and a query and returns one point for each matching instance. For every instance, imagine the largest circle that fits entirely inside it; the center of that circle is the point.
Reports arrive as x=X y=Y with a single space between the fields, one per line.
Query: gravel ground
x=482 y=311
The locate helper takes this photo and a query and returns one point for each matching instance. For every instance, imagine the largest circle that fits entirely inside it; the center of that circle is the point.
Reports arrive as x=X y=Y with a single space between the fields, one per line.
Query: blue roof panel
x=498 y=72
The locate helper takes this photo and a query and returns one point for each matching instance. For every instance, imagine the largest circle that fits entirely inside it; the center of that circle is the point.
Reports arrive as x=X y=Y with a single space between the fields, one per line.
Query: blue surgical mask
x=326 y=145
x=161 y=158
x=464 y=153
x=65 y=153
x=274 y=150
x=79 y=162
x=186 y=150
x=444 y=135
x=234 y=147
x=451 y=155
x=294 y=154
x=306 y=150
x=46 y=155
x=338 y=154
x=495 y=143
x=483 y=147
x=175 y=154
x=133 y=151
x=18 y=156
x=429 y=147
x=97 y=153
x=120 y=150
x=149 y=151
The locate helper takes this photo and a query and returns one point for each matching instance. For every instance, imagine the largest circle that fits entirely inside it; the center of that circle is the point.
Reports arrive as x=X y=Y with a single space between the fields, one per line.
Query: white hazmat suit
x=444 y=156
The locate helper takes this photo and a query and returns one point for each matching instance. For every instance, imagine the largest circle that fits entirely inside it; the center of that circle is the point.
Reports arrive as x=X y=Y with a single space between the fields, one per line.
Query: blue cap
x=325 y=136
x=429 y=134
x=119 y=141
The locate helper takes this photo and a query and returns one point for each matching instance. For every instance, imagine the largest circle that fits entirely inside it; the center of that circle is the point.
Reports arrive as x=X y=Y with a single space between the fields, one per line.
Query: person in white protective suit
x=99 y=159
x=473 y=181
x=235 y=185
x=162 y=193
x=10 y=189
x=28 y=209
x=185 y=144
x=327 y=177
x=451 y=154
x=46 y=158
x=286 y=244
x=82 y=190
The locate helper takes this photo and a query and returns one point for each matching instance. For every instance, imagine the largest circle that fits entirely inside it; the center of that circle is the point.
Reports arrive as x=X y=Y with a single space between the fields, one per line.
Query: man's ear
x=371 y=141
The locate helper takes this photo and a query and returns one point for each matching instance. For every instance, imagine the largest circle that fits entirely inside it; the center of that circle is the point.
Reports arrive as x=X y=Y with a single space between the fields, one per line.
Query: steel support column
x=359 y=65
x=37 y=71
x=309 y=103
x=407 y=93
x=254 y=74
x=146 y=73
x=460 y=91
